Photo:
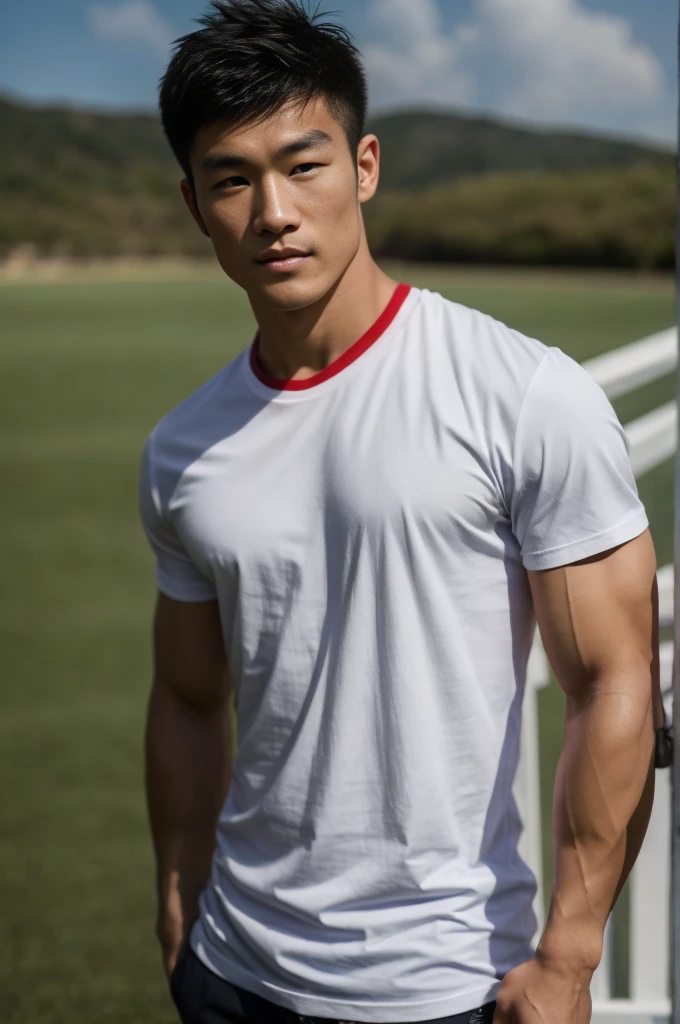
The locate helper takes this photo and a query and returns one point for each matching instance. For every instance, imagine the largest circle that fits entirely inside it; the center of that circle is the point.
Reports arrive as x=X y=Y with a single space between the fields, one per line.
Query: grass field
x=87 y=366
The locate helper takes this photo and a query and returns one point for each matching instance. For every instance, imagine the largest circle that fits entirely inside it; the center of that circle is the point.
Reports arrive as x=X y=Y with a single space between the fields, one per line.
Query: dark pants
x=204 y=998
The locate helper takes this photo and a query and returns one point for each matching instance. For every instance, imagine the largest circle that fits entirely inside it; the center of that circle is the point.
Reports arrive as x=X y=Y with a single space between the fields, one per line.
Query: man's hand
x=541 y=993
x=173 y=936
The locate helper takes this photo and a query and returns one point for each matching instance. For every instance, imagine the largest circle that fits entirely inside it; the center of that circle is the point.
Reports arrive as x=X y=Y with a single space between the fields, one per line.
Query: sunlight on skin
x=290 y=183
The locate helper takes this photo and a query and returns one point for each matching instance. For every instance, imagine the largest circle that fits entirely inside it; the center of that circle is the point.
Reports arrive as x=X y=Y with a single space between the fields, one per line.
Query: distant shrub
x=614 y=218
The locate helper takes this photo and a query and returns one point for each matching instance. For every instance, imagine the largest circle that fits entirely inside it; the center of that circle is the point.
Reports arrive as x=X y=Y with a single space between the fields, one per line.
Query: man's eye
x=232 y=182
x=303 y=168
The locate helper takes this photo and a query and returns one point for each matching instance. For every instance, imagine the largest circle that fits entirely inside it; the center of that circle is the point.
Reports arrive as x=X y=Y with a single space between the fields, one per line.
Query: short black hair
x=249 y=59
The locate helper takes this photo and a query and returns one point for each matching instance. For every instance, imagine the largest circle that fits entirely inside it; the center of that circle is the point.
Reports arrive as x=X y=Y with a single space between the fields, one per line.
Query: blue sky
x=602 y=64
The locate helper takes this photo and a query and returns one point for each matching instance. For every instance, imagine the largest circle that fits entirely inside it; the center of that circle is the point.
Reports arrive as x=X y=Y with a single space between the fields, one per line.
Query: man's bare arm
x=598 y=620
x=188 y=754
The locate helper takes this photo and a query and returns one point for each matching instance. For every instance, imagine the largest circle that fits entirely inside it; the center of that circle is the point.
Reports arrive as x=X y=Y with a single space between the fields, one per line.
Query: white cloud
x=415 y=60
x=550 y=60
x=563 y=60
x=131 y=21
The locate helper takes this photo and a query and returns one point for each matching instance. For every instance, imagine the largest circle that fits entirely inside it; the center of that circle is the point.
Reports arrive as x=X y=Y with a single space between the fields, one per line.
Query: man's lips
x=285 y=260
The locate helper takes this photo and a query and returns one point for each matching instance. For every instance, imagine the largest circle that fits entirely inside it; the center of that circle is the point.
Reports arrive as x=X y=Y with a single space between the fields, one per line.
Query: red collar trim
x=348 y=356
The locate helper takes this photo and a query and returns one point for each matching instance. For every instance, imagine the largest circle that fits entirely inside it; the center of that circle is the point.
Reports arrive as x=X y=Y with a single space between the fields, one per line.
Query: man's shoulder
x=195 y=425
x=503 y=369
x=201 y=411
x=472 y=318
x=478 y=344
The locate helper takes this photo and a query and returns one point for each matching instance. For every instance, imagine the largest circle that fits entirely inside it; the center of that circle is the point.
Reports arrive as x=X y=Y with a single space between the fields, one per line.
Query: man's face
x=280 y=202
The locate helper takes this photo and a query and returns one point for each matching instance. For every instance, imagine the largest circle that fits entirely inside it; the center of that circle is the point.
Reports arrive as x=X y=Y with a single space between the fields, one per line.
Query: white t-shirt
x=366 y=533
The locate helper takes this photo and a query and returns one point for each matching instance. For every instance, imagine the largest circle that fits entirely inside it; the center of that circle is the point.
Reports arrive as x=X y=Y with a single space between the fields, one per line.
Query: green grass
x=86 y=369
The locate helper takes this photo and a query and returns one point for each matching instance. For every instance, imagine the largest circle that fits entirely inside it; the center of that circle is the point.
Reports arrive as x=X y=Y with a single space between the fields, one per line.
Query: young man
x=357 y=523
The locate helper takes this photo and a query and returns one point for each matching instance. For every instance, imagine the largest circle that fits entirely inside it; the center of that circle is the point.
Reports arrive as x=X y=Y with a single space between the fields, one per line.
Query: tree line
x=454 y=188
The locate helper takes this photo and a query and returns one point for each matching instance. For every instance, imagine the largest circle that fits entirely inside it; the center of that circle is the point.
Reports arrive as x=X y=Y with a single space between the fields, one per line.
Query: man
x=357 y=523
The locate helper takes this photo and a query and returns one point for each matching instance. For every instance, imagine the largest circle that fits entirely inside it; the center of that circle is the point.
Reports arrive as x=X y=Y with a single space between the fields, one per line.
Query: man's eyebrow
x=222 y=161
x=316 y=137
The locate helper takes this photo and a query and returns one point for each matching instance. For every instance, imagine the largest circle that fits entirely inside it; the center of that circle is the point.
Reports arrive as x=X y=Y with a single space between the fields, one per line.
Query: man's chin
x=289 y=293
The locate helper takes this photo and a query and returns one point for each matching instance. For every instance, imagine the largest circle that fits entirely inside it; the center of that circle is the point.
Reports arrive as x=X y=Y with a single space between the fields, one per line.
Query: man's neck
x=296 y=344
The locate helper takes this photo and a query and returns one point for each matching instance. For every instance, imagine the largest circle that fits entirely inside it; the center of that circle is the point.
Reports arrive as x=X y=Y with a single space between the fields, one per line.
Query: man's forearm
x=604 y=790
x=188 y=770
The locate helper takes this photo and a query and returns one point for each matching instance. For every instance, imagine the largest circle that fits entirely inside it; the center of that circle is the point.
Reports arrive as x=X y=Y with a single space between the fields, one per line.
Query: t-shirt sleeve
x=176 y=574
x=574 y=493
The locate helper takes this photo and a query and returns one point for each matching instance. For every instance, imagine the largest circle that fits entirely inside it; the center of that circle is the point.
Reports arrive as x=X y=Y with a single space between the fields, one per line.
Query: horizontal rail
x=631 y=366
x=664 y=578
x=653 y=438
x=621 y=1011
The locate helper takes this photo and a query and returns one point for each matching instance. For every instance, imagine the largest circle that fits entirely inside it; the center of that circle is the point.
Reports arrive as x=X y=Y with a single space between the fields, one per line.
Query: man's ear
x=368 y=167
x=189 y=197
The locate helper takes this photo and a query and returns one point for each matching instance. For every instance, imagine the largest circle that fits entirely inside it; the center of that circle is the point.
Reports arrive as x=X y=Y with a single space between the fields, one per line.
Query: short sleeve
x=176 y=574
x=574 y=493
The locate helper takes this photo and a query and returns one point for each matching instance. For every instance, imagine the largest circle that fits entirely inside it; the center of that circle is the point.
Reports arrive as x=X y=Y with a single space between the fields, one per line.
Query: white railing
x=653 y=439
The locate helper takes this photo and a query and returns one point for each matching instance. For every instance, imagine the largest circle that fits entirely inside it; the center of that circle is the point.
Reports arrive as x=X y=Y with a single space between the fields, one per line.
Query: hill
x=87 y=182
x=424 y=147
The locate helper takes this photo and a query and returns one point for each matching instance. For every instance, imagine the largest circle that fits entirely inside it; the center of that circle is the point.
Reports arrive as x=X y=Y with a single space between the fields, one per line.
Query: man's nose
x=274 y=211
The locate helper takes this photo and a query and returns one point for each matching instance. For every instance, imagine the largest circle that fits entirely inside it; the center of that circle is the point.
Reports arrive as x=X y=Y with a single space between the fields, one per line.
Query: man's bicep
x=597 y=616
x=189 y=655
